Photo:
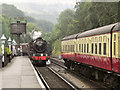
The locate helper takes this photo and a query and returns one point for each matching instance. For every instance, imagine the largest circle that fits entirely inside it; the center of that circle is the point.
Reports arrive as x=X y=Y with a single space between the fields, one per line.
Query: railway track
x=52 y=79
x=90 y=83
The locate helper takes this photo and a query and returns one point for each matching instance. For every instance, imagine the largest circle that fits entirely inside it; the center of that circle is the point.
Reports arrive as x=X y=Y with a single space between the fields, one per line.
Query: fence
x=6 y=60
x=0 y=60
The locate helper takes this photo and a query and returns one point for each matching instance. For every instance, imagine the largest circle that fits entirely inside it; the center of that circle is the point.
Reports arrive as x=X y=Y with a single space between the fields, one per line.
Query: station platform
x=19 y=73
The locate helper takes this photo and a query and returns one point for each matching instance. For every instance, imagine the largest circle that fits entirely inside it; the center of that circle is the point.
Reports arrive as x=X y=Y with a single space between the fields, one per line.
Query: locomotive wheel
x=77 y=68
x=72 y=66
x=67 y=64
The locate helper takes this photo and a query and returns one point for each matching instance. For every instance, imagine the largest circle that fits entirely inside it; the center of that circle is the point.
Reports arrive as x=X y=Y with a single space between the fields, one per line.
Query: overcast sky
x=34 y=6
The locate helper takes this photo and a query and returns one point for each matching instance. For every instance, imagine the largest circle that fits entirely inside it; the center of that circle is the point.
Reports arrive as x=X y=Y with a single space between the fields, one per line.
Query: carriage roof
x=74 y=36
x=100 y=30
x=96 y=31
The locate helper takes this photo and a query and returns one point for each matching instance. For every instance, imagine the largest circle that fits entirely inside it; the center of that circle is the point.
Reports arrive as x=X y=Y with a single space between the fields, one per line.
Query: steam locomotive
x=38 y=52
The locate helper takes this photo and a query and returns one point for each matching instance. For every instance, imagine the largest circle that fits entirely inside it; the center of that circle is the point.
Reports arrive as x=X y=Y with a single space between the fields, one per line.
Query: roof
x=100 y=30
x=96 y=31
x=74 y=36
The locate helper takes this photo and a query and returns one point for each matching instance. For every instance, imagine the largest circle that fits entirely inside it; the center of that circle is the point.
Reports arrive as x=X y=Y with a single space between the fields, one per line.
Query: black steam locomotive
x=38 y=52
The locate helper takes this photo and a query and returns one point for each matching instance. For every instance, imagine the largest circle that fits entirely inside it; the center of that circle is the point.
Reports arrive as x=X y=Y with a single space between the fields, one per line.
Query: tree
x=91 y=15
x=63 y=28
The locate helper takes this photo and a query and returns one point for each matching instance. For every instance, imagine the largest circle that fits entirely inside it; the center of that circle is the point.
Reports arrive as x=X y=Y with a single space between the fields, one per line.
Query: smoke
x=36 y=34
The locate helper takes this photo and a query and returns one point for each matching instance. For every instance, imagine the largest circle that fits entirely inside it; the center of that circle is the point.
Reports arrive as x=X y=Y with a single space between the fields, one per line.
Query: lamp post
x=13 y=47
x=3 y=38
x=9 y=43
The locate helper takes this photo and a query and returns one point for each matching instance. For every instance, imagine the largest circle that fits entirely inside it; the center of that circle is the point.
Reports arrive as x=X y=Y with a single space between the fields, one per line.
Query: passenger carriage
x=98 y=48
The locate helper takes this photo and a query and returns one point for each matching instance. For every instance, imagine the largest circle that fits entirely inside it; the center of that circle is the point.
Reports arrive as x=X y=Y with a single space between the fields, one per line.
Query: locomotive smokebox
x=39 y=45
x=18 y=28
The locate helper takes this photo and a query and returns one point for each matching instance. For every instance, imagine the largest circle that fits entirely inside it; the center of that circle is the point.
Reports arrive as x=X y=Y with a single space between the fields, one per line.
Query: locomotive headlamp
x=33 y=54
x=42 y=54
x=46 y=54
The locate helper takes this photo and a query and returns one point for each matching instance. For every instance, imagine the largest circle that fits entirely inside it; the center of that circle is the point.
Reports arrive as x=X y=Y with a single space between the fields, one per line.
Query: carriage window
x=104 y=49
x=114 y=44
x=76 y=48
x=100 y=39
x=104 y=38
x=73 y=48
x=95 y=48
x=84 y=48
x=79 y=47
x=64 y=47
x=114 y=37
x=99 y=48
x=68 y=48
x=96 y=39
x=87 y=48
x=114 y=48
x=92 y=48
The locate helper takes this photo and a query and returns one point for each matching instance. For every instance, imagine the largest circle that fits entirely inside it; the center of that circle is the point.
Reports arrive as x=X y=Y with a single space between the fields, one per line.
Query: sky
x=45 y=9
x=34 y=6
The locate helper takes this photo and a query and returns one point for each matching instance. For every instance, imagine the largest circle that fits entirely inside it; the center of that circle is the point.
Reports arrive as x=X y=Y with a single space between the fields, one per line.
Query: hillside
x=10 y=11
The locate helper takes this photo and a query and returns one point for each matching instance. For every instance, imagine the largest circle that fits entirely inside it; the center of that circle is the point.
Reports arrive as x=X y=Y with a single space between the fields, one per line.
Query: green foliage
x=5 y=26
x=30 y=19
x=8 y=51
x=0 y=50
x=91 y=15
x=11 y=11
x=65 y=22
x=45 y=25
x=63 y=28
x=56 y=47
